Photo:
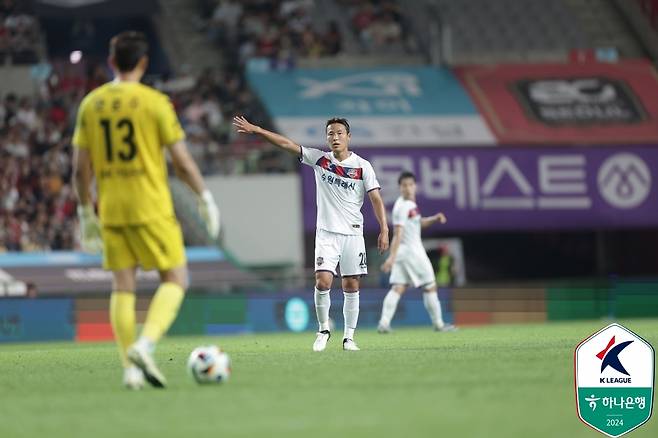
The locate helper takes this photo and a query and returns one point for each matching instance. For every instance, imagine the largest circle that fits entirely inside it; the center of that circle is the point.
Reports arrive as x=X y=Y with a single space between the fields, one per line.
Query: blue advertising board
x=386 y=106
x=387 y=91
x=23 y=320
x=296 y=311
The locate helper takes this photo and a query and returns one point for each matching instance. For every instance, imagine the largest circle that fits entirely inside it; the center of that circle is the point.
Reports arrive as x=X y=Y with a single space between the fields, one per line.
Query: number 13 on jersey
x=125 y=130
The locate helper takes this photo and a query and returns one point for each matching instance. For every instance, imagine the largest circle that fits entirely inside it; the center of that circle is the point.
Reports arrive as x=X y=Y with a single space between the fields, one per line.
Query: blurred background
x=532 y=124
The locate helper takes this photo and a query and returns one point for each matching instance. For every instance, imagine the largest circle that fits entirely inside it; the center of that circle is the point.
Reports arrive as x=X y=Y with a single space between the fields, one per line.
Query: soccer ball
x=209 y=364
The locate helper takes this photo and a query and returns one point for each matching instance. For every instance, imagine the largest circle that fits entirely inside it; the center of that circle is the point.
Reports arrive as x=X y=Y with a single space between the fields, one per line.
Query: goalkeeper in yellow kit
x=122 y=131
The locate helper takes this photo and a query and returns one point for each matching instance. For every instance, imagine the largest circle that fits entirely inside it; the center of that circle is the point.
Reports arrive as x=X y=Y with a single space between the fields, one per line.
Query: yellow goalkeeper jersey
x=126 y=127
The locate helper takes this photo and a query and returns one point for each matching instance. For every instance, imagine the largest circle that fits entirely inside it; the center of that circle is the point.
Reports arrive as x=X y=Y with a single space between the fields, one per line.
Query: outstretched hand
x=441 y=218
x=243 y=126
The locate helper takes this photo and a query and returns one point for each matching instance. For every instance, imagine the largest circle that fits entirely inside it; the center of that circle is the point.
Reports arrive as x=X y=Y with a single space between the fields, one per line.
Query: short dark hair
x=127 y=48
x=340 y=120
x=406 y=174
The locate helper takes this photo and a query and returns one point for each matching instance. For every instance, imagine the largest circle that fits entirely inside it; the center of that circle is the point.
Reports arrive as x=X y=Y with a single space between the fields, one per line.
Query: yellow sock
x=122 y=317
x=162 y=311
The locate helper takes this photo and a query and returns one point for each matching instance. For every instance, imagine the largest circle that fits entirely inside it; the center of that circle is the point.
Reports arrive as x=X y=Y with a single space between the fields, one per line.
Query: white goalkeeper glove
x=90 y=229
x=209 y=213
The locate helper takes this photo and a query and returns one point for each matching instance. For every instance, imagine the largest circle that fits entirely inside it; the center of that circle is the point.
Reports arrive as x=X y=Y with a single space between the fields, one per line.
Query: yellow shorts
x=154 y=245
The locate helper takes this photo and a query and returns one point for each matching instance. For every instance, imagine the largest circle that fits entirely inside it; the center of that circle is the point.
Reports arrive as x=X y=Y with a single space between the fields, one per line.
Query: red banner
x=567 y=103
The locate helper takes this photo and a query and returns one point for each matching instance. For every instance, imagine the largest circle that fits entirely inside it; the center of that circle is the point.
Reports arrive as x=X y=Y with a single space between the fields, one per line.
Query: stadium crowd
x=37 y=203
x=284 y=30
x=377 y=24
x=36 y=197
x=37 y=206
x=19 y=33
x=281 y=30
x=205 y=105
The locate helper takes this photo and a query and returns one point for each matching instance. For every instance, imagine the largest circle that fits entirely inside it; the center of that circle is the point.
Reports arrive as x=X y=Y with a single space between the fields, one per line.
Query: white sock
x=322 y=305
x=350 y=313
x=388 y=308
x=433 y=307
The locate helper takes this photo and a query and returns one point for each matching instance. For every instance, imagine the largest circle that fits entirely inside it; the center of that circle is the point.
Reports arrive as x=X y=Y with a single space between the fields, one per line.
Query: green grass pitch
x=494 y=381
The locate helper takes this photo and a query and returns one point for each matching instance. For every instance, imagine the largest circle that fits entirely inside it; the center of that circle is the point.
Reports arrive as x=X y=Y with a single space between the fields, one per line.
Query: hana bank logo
x=394 y=84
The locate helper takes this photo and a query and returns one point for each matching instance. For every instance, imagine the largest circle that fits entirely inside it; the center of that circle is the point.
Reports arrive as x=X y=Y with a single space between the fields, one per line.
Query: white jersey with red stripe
x=407 y=214
x=340 y=189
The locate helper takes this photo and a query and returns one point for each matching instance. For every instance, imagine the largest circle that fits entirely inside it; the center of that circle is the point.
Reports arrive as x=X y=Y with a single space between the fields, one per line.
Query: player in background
x=342 y=179
x=122 y=132
x=407 y=261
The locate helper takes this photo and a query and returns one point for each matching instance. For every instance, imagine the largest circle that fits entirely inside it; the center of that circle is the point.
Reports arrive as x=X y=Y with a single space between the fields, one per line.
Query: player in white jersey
x=342 y=179
x=408 y=262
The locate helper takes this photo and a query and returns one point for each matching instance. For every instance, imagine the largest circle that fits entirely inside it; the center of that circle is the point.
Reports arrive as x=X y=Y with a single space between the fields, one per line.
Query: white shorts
x=416 y=271
x=332 y=249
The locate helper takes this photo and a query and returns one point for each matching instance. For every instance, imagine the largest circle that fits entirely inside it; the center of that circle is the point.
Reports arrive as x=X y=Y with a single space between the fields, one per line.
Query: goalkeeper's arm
x=187 y=170
x=82 y=175
x=90 y=231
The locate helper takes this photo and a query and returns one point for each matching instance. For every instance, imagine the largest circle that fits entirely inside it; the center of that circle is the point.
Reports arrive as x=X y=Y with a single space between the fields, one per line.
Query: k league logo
x=624 y=180
x=610 y=357
x=614 y=373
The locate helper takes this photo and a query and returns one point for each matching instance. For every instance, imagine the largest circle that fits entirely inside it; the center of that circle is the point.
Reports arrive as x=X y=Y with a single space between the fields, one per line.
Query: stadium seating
x=481 y=31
